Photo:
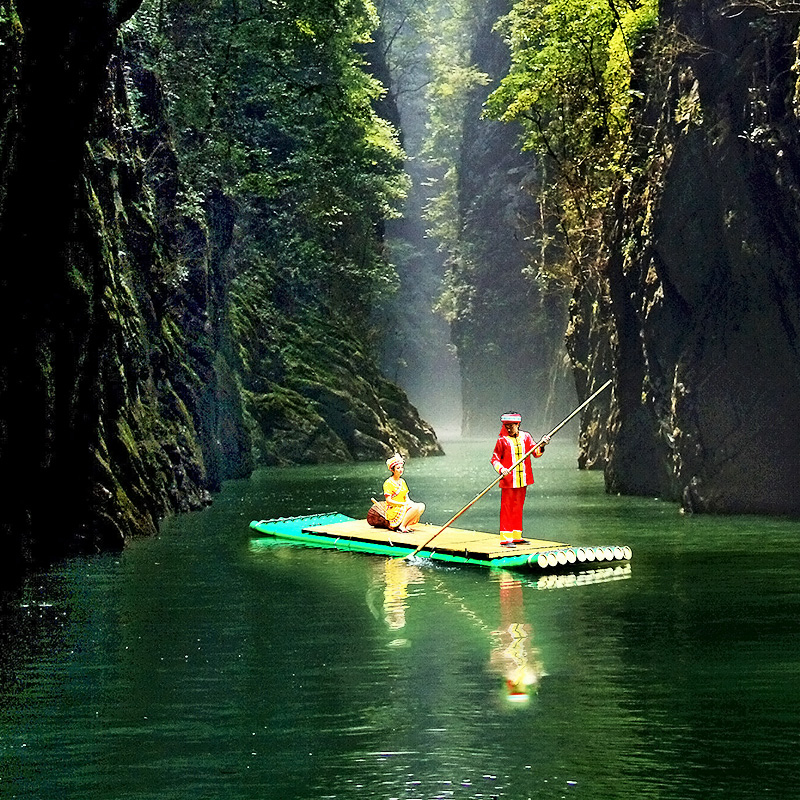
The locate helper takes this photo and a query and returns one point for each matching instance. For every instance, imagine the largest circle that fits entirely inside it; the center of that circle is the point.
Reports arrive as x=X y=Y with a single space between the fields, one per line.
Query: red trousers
x=511 y=505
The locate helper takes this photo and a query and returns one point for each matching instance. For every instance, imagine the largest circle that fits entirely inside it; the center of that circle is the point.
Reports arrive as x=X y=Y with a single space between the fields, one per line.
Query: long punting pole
x=515 y=464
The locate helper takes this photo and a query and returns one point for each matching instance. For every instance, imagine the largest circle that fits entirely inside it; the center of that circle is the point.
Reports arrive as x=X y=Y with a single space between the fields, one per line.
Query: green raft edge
x=292 y=529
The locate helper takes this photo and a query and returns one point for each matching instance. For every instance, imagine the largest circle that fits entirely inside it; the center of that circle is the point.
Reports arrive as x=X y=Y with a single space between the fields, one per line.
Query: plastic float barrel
x=571 y=555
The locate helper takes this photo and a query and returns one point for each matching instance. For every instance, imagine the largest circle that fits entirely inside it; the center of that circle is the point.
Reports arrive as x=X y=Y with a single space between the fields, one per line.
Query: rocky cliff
x=695 y=310
x=95 y=444
x=143 y=369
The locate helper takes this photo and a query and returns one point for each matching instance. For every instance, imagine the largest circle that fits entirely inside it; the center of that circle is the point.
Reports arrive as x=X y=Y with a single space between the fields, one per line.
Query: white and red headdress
x=395 y=461
x=509 y=416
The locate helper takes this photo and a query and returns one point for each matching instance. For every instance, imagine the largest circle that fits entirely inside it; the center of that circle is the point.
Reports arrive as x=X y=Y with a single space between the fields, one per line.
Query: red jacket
x=507 y=451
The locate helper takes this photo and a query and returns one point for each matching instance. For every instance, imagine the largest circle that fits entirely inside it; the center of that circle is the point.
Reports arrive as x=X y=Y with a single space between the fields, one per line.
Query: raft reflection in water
x=511 y=654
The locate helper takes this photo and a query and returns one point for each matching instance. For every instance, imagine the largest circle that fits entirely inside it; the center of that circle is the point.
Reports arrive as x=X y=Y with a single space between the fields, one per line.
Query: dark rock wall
x=99 y=396
x=701 y=290
x=313 y=394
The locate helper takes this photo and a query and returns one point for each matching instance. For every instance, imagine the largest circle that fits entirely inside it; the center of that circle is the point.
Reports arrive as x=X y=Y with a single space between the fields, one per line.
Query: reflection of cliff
x=696 y=312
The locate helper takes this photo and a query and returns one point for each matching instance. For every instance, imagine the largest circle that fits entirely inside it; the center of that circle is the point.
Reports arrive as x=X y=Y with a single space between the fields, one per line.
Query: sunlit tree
x=569 y=88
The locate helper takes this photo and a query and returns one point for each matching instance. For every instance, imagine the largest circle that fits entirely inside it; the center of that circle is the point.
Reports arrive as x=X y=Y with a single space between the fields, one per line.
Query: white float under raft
x=453 y=545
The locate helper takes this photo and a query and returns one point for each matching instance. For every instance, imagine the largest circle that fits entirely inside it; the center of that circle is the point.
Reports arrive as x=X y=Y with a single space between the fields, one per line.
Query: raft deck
x=453 y=544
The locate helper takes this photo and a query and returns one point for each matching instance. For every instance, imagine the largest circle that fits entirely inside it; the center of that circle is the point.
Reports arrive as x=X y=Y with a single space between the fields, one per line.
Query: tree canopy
x=270 y=101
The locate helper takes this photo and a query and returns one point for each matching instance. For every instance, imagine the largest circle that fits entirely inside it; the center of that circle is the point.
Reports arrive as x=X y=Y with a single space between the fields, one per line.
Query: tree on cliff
x=569 y=89
x=272 y=102
x=275 y=105
x=474 y=205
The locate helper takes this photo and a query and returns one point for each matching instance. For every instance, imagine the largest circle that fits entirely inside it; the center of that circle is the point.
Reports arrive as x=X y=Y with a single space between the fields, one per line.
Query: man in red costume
x=512 y=445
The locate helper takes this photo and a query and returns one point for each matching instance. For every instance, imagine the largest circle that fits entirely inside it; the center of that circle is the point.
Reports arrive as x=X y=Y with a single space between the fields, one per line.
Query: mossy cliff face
x=127 y=391
x=700 y=290
x=99 y=397
x=312 y=391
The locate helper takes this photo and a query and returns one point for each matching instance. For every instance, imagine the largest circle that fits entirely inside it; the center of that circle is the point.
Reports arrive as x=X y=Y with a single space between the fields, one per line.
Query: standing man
x=512 y=445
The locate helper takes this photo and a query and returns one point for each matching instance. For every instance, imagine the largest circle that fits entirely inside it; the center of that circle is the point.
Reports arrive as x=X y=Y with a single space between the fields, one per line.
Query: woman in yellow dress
x=401 y=511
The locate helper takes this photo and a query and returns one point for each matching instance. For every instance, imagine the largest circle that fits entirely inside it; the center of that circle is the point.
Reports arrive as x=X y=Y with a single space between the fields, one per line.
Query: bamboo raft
x=453 y=545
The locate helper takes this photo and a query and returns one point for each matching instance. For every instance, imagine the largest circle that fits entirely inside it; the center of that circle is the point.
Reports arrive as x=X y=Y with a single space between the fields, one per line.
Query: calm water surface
x=202 y=664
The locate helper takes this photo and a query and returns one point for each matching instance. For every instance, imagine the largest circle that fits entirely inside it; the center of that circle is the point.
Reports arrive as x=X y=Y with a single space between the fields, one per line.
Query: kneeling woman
x=401 y=511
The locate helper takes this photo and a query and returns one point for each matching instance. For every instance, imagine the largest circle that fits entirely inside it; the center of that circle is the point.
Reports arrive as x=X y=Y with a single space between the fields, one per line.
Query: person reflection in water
x=398 y=575
x=512 y=444
x=401 y=511
x=513 y=654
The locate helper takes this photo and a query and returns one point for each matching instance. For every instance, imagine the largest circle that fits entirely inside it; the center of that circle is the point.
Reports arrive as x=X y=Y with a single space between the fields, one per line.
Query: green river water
x=203 y=665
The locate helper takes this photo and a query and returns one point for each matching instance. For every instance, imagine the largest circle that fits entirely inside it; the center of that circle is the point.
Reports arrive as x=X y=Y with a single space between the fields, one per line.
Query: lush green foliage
x=569 y=87
x=269 y=101
x=430 y=53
